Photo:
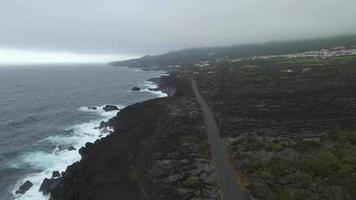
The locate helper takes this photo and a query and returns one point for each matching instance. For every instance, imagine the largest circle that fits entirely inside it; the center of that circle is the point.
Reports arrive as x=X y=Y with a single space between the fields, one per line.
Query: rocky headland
x=158 y=150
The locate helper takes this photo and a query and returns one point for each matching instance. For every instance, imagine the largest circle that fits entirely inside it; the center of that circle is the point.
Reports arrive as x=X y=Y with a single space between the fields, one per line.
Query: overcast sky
x=138 y=27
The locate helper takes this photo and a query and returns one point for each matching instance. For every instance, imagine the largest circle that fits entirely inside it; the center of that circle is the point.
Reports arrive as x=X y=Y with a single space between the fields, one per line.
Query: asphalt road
x=225 y=172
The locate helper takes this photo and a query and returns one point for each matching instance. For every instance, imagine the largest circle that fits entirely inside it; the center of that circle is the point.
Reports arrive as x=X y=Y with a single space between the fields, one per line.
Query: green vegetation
x=306 y=145
x=303 y=61
x=318 y=61
x=258 y=144
x=343 y=58
x=317 y=170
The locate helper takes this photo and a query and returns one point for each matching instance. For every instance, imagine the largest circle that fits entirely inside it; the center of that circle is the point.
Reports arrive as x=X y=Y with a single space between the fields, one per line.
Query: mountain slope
x=189 y=56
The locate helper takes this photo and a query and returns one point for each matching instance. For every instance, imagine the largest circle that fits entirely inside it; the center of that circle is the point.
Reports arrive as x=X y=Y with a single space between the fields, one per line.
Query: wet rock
x=84 y=150
x=153 y=89
x=92 y=108
x=102 y=124
x=108 y=108
x=48 y=184
x=136 y=89
x=71 y=148
x=56 y=174
x=24 y=187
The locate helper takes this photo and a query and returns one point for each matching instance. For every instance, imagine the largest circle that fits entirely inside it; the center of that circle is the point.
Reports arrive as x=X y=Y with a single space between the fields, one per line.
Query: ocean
x=44 y=111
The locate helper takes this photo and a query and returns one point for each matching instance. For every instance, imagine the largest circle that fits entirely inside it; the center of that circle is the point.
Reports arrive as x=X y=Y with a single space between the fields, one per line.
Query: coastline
x=151 y=153
x=64 y=156
x=68 y=157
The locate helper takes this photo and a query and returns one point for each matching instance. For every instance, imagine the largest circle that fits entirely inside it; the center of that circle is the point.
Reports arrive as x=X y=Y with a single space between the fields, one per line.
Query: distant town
x=323 y=53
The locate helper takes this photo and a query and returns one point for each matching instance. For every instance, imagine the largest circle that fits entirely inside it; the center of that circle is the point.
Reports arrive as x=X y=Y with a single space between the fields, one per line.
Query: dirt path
x=225 y=172
x=144 y=185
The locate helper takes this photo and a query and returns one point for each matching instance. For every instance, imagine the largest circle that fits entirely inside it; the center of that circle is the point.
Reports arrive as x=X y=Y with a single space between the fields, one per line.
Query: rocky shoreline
x=288 y=126
x=158 y=150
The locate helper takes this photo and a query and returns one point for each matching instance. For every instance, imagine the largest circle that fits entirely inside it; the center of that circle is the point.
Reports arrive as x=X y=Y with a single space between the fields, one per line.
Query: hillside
x=190 y=56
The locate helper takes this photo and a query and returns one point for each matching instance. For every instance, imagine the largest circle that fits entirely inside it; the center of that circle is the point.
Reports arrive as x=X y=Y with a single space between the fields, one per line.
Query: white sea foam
x=60 y=157
x=47 y=163
x=148 y=86
x=33 y=193
x=99 y=110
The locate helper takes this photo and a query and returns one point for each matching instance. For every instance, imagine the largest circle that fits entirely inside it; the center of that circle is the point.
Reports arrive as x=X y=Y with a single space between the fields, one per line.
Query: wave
x=151 y=87
x=60 y=157
x=99 y=110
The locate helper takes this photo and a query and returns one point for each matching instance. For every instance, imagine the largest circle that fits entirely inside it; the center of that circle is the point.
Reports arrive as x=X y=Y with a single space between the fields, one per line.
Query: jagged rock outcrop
x=71 y=148
x=48 y=185
x=24 y=187
x=136 y=89
x=56 y=174
x=109 y=108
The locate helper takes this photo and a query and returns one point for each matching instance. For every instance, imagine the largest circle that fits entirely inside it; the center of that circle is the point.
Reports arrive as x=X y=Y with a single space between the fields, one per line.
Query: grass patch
x=303 y=61
x=324 y=169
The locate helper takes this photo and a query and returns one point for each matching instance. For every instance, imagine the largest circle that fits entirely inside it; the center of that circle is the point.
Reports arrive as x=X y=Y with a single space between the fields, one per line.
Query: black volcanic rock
x=105 y=170
x=71 y=148
x=48 y=184
x=56 y=174
x=136 y=89
x=109 y=108
x=24 y=187
x=83 y=150
x=114 y=167
x=270 y=120
x=102 y=124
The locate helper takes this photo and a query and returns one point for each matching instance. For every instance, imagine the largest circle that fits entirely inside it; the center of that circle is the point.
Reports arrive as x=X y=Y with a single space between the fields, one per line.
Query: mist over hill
x=193 y=55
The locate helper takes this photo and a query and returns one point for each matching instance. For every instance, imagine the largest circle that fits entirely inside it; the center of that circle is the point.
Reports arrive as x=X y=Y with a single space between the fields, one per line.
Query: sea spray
x=40 y=105
x=60 y=157
x=149 y=86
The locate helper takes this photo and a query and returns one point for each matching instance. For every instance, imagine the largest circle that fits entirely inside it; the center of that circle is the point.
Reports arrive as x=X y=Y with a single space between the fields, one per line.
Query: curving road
x=225 y=172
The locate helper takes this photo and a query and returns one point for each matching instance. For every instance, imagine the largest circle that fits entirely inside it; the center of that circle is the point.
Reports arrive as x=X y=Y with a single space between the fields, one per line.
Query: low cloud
x=148 y=27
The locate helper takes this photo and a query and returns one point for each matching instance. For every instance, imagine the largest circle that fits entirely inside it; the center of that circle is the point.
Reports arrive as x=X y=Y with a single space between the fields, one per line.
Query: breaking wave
x=60 y=156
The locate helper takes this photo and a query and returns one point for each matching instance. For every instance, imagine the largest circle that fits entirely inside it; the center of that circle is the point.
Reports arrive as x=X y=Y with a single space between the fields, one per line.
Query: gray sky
x=137 y=27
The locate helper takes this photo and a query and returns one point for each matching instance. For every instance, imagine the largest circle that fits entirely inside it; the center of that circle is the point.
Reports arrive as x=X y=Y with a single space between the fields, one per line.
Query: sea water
x=44 y=111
